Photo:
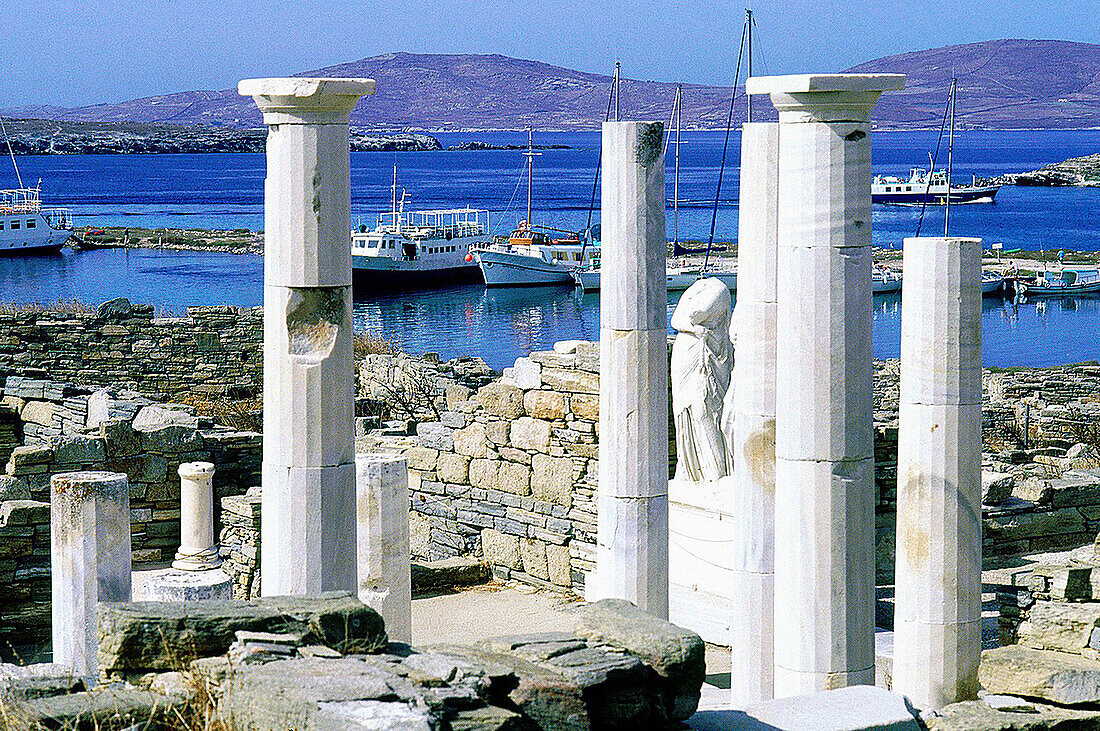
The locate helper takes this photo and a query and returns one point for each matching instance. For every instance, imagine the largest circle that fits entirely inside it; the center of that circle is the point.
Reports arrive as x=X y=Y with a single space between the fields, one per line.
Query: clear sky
x=88 y=51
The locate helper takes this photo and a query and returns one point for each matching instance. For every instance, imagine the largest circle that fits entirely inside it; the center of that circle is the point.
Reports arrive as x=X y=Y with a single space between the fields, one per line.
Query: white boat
x=1063 y=283
x=26 y=227
x=676 y=278
x=532 y=258
x=425 y=247
x=992 y=283
x=885 y=281
x=923 y=186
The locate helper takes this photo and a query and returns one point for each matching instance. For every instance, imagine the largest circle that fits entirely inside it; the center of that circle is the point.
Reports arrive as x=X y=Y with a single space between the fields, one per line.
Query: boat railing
x=60 y=219
x=19 y=200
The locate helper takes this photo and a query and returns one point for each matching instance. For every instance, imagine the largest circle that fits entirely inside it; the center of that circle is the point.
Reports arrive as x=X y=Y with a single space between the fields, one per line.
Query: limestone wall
x=211 y=350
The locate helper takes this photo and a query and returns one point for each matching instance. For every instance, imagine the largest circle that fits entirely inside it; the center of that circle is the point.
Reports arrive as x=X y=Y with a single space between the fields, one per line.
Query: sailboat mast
x=530 y=174
x=615 y=83
x=393 y=192
x=748 y=32
x=950 y=162
x=679 y=104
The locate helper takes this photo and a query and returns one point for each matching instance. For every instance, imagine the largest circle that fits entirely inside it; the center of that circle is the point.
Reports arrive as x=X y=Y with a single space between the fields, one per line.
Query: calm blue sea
x=226 y=191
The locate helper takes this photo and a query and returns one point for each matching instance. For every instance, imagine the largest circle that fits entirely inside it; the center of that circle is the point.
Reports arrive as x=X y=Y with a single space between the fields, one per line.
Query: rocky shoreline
x=1077 y=171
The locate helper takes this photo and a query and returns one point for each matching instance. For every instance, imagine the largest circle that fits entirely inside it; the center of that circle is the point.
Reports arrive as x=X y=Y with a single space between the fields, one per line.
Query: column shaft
x=753 y=449
x=824 y=490
x=385 y=572
x=937 y=616
x=198 y=551
x=89 y=561
x=632 y=532
x=308 y=460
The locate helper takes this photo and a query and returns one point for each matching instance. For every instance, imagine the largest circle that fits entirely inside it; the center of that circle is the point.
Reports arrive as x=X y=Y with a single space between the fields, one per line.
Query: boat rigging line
x=935 y=157
x=745 y=30
x=11 y=153
x=612 y=97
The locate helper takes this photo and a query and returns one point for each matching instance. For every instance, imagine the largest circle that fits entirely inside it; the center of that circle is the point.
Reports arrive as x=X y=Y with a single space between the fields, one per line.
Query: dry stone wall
x=69 y=428
x=212 y=350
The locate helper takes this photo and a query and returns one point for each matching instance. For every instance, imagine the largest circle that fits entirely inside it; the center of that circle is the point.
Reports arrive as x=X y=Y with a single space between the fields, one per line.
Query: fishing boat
x=1063 y=283
x=26 y=227
x=418 y=247
x=885 y=281
x=992 y=283
x=676 y=278
x=532 y=256
x=923 y=186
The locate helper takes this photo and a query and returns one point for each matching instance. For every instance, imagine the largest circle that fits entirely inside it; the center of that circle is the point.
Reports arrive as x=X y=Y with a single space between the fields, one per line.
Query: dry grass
x=367 y=344
x=243 y=414
x=67 y=307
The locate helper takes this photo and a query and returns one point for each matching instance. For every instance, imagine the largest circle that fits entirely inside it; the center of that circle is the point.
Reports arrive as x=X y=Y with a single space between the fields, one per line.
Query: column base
x=174 y=585
x=937 y=664
x=201 y=561
x=798 y=682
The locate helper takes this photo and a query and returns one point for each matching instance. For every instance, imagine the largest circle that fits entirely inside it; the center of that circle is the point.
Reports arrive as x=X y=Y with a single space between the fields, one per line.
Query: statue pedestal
x=700 y=557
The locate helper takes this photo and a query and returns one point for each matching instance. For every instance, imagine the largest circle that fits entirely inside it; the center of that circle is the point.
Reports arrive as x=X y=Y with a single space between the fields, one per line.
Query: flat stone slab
x=1060 y=677
x=857 y=708
x=970 y=715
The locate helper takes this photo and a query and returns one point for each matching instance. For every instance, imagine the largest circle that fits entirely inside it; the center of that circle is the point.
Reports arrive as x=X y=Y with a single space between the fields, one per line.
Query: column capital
x=824 y=97
x=302 y=100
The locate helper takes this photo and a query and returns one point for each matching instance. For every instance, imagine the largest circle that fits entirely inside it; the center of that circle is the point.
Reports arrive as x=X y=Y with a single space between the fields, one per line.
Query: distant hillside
x=1002 y=84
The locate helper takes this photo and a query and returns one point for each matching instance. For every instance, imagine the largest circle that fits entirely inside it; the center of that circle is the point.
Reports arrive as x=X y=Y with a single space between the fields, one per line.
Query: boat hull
x=507 y=269
x=968 y=195
x=386 y=273
x=1069 y=290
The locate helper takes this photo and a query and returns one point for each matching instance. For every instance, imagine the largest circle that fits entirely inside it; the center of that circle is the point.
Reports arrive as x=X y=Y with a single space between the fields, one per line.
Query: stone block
x=434 y=435
x=585 y=406
x=421 y=458
x=155 y=416
x=161 y=636
x=420 y=534
x=1061 y=626
x=862 y=707
x=552 y=479
x=996 y=487
x=533 y=553
x=500 y=549
x=382 y=538
x=24 y=512
x=527 y=374
x=471 y=441
x=558 y=566
x=453 y=468
x=39 y=412
x=497 y=432
x=77 y=449
x=501 y=399
x=514 y=477
x=1055 y=676
x=484 y=473
x=549 y=405
x=570 y=381
x=528 y=433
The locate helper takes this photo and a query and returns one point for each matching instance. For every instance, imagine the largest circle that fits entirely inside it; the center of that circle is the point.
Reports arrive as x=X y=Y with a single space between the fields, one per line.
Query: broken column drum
x=752 y=443
x=308 y=453
x=938 y=566
x=632 y=523
x=384 y=563
x=197 y=551
x=89 y=561
x=824 y=482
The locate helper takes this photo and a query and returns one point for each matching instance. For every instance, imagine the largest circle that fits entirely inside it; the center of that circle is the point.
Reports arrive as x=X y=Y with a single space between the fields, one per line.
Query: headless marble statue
x=702 y=360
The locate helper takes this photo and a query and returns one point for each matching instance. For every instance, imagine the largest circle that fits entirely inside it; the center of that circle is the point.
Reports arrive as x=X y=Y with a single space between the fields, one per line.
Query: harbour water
x=226 y=191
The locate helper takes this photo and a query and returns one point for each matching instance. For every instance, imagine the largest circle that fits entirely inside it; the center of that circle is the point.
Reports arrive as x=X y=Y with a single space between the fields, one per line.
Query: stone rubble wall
x=216 y=351
x=71 y=428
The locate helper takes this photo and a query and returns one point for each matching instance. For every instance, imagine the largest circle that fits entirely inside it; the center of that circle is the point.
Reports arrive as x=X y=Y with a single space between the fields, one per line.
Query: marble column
x=384 y=562
x=752 y=450
x=89 y=561
x=198 y=551
x=632 y=501
x=309 y=385
x=938 y=566
x=824 y=483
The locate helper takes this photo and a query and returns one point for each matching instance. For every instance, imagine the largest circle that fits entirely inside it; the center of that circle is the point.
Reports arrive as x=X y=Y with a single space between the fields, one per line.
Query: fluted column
x=824 y=491
x=632 y=525
x=753 y=447
x=309 y=386
x=938 y=567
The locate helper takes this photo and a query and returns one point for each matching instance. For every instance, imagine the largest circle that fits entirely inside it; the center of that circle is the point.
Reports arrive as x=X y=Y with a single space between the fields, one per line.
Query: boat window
x=908 y=188
x=1 y=225
x=31 y=223
x=14 y=225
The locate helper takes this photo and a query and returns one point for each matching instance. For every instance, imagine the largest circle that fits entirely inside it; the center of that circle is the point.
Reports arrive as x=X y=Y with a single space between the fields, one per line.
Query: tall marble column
x=632 y=525
x=198 y=551
x=938 y=566
x=824 y=488
x=753 y=447
x=384 y=563
x=309 y=387
x=89 y=561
